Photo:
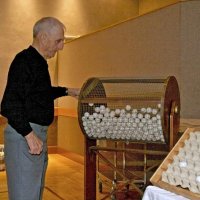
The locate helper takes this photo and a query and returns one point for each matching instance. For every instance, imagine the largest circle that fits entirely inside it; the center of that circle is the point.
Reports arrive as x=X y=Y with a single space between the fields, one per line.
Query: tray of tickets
x=180 y=170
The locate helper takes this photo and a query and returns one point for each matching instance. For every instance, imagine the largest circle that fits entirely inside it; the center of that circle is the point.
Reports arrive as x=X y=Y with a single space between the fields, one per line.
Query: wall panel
x=158 y=44
x=146 y=46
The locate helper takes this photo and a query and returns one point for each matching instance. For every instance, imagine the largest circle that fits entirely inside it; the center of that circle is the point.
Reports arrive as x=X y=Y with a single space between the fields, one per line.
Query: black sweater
x=29 y=96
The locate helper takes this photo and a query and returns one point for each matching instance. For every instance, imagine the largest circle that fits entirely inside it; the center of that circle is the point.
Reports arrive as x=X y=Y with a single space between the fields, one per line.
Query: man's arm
x=64 y=91
x=73 y=92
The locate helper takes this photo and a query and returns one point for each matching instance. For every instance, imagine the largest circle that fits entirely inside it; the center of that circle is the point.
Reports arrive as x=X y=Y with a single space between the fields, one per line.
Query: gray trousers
x=25 y=172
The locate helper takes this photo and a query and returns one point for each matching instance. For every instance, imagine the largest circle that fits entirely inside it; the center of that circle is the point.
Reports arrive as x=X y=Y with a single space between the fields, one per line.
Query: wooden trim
x=190 y=122
x=58 y=111
x=52 y=149
x=67 y=112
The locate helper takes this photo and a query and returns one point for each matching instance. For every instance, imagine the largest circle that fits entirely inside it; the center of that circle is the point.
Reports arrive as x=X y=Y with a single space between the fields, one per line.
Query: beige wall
x=161 y=43
x=69 y=137
x=80 y=17
x=156 y=44
x=147 y=45
x=190 y=58
x=150 y=5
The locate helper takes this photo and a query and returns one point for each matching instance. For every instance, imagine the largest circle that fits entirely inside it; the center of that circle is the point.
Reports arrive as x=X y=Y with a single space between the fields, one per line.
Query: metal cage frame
x=170 y=109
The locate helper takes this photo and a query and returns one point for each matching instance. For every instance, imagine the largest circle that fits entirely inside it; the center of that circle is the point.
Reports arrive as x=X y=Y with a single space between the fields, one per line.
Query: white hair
x=47 y=24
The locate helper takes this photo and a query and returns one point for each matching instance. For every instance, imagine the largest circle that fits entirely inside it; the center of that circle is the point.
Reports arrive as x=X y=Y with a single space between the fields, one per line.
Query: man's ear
x=43 y=38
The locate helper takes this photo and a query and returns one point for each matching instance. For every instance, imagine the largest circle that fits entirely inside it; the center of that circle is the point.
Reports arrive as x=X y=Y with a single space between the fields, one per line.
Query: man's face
x=54 y=43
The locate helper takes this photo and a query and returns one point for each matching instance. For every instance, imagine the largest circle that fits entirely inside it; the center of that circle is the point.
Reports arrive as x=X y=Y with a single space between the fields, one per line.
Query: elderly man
x=28 y=105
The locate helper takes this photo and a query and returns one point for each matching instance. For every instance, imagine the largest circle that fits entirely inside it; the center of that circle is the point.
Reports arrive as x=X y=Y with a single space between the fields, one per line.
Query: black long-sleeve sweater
x=29 y=96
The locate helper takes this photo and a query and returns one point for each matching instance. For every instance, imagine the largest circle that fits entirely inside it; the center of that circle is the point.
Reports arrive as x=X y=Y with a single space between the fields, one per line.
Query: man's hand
x=34 y=143
x=74 y=92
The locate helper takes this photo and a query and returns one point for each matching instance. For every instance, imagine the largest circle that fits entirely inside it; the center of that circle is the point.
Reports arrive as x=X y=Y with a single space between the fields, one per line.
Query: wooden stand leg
x=171 y=127
x=90 y=171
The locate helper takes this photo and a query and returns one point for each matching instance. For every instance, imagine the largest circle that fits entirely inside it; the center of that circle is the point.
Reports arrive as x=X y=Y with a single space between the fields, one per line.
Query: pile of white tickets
x=124 y=124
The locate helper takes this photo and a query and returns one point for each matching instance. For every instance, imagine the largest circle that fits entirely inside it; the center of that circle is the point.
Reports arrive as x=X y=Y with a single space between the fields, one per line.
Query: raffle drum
x=129 y=110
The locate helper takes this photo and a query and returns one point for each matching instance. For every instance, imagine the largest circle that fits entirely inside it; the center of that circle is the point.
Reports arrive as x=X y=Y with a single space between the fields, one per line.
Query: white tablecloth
x=156 y=193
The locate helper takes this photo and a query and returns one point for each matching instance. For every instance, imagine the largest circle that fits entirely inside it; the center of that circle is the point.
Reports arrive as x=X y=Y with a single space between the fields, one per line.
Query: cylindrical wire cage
x=141 y=114
x=129 y=109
